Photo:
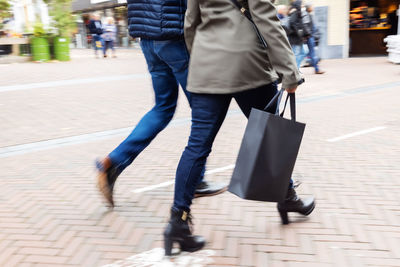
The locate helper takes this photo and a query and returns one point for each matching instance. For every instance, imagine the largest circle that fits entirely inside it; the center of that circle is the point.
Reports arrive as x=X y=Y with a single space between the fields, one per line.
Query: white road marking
x=356 y=134
x=151 y=187
x=84 y=138
x=52 y=84
x=166 y=184
x=229 y=167
x=156 y=258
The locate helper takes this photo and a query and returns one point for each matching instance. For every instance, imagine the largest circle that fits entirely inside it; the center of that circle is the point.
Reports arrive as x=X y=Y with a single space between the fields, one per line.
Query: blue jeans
x=107 y=45
x=97 y=38
x=313 y=56
x=208 y=114
x=299 y=53
x=167 y=62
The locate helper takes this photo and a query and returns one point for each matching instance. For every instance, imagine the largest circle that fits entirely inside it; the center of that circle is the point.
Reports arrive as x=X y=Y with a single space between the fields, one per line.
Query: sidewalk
x=57 y=118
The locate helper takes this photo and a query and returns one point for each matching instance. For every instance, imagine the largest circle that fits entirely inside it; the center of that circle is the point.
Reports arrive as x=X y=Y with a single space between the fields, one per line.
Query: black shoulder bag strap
x=247 y=14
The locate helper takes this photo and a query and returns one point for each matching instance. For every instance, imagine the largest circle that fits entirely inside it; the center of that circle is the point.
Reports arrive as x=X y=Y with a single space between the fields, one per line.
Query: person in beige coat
x=228 y=61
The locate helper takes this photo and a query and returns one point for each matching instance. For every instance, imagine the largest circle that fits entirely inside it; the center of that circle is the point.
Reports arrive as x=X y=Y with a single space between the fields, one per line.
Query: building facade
x=26 y=13
x=354 y=27
x=348 y=27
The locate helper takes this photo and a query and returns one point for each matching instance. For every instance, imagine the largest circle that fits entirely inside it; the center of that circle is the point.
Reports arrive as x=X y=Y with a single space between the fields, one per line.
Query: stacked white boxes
x=393 y=45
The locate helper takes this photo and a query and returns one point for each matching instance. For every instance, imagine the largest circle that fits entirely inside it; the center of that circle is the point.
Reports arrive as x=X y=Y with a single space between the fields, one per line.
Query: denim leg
x=208 y=114
x=175 y=54
x=311 y=48
x=166 y=93
x=298 y=51
x=105 y=47
x=257 y=98
x=95 y=39
x=112 y=45
x=98 y=38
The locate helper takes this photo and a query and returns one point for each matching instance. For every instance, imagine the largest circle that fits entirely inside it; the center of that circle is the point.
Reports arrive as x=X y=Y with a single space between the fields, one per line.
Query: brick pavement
x=51 y=213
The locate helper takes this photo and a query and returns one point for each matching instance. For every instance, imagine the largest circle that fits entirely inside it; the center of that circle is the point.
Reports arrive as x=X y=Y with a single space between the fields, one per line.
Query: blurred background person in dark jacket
x=312 y=40
x=96 y=29
x=300 y=32
x=297 y=31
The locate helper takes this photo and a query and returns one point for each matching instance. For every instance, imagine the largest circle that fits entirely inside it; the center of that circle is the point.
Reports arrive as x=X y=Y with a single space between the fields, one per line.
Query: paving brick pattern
x=52 y=215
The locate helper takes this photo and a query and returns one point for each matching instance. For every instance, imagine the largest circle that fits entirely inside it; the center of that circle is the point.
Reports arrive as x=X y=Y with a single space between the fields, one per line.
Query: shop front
x=371 y=21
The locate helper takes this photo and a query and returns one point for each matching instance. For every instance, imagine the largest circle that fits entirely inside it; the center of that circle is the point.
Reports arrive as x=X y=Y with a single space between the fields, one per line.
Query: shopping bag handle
x=292 y=97
x=277 y=99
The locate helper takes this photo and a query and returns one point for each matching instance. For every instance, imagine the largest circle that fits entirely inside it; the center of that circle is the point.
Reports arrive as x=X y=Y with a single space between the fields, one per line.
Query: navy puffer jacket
x=156 y=19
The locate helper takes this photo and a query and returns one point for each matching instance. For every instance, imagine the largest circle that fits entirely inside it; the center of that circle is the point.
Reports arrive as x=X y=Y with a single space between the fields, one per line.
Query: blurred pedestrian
x=298 y=30
x=96 y=29
x=221 y=68
x=160 y=29
x=301 y=32
x=312 y=39
x=109 y=36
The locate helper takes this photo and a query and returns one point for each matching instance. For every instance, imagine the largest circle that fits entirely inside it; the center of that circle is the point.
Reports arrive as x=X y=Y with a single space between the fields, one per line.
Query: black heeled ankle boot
x=293 y=203
x=178 y=230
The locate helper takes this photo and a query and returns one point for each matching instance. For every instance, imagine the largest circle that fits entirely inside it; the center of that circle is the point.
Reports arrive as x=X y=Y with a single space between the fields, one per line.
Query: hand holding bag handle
x=292 y=97
x=277 y=100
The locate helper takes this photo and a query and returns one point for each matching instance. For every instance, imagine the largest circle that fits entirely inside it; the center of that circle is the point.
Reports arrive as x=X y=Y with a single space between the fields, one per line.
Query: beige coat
x=226 y=54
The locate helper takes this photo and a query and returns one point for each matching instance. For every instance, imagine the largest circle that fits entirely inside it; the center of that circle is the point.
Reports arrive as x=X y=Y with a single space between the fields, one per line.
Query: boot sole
x=212 y=194
x=193 y=249
x=310 y=210
x=168 y=245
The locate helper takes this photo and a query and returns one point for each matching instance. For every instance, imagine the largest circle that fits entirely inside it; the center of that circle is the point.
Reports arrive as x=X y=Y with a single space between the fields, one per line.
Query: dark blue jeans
x=208 y=114
x=107 y=45
x=311 y=52
x=98 y=42
x=167 y=62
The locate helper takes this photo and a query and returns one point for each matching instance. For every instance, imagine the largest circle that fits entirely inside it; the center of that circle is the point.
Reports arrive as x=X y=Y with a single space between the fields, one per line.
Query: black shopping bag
x=267 y=154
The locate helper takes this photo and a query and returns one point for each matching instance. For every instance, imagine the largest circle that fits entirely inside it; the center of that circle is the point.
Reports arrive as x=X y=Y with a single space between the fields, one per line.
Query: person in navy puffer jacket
x=159 y=25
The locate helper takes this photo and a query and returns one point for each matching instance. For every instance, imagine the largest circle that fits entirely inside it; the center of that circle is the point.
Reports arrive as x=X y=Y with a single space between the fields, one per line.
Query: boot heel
x=168 y=246
x=284 y=217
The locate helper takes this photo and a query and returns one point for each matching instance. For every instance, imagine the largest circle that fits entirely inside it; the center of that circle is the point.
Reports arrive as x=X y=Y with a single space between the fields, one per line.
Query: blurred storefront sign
x=95 y=5
x=97 y=1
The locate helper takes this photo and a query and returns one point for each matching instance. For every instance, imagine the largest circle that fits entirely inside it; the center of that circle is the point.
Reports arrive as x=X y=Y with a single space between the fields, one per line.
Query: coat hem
x=227 y=91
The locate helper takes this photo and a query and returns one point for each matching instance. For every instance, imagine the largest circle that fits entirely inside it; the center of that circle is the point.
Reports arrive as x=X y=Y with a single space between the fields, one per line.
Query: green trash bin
x=40 y=49
x=61 y=48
